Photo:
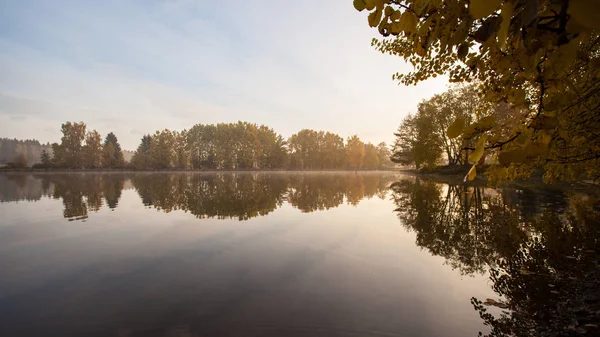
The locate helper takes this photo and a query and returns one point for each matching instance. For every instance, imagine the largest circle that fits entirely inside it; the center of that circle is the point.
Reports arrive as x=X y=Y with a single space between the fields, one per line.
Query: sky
x=136 y=66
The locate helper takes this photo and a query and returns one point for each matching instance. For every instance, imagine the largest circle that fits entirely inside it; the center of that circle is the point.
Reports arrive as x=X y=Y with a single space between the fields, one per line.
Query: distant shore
x=126 y=170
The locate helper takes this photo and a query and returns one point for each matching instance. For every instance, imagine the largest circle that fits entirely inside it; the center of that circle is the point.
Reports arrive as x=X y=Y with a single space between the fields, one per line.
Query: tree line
x=21 y=153
x=228 y=146
x=82 y=148
x=244 y=145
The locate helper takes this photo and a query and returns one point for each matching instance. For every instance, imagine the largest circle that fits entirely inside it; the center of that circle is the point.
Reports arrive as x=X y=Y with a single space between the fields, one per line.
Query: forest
x=28 y=151
x=228 y=146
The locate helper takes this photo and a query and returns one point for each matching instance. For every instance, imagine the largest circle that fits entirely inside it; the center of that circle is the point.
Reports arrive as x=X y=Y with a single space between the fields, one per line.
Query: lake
x=279 y=254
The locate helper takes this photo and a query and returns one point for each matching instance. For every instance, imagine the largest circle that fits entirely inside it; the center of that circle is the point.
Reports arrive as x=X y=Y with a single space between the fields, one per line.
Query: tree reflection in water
x=239 y=196
x=541 y=251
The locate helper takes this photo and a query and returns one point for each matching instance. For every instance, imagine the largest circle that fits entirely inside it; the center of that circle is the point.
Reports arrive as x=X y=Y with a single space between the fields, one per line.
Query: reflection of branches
x=539 y=257
x=244 y=196
x=549 y=279
x=461 y=223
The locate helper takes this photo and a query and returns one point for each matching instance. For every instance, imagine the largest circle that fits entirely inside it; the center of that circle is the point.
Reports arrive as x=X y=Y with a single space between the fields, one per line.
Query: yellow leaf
x=375 y=17
x=534 y=150
x=456 y=128
x=482 y=8
x=395 y=28
x=545 y=138
x=472 y=174
x=370 y=4
x=360 y=5
x=409 y=22
x=507 y=10
x=487 y=122
x=585 y=12
x=504 y=158
x=478 y=153
x=515 y=156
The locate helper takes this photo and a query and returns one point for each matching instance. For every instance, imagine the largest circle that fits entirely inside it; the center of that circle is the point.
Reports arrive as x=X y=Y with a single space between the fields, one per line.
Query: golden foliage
x=540 y=57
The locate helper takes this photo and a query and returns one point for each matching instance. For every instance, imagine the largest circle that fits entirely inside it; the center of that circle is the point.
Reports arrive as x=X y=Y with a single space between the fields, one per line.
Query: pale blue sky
x=133 y=67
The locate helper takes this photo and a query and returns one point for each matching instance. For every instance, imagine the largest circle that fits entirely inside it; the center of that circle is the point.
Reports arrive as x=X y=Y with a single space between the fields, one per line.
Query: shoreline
x=31 y=170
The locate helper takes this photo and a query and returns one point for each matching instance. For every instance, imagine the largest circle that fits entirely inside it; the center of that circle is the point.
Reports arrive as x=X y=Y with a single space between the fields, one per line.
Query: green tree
x=112 y=156
x=539 y=56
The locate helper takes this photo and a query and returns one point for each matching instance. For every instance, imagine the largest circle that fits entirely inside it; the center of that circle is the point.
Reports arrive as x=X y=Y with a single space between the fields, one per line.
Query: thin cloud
x=172 y=64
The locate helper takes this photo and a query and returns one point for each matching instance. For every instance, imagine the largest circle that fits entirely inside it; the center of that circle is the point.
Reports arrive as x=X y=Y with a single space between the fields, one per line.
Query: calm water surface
x=278 y=254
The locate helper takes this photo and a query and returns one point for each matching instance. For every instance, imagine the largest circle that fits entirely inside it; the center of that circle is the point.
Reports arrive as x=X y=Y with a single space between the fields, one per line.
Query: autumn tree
x=92 y=150
x=539 y=56
x=202 y=146
x=333 y=150
x=355 y=151
x=304 y=149
x=182 y=157
x=273 y=151
x=69 y=152
x=371 y=159
x=112 y=156
x=162 y=150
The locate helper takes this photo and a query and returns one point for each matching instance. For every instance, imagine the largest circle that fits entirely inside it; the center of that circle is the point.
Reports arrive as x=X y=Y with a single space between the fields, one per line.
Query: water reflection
x=223 y=196
x=541 y=251
x=539 y=248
